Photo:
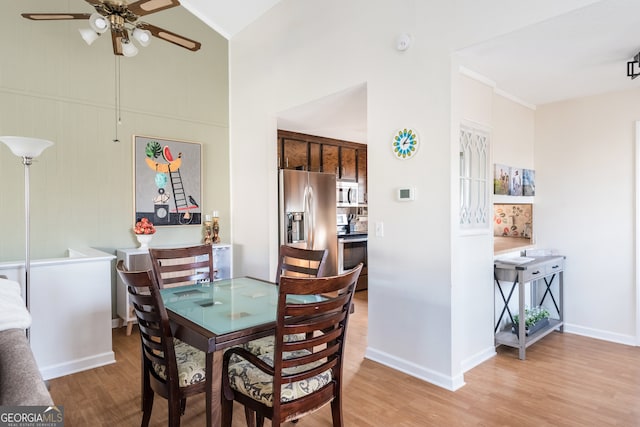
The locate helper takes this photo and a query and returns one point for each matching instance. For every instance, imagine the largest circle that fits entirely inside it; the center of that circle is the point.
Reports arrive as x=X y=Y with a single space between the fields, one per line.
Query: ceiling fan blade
x=94 y=2
x=116 y=40
x=171 y=37
x=145 y=7
x=55 y=16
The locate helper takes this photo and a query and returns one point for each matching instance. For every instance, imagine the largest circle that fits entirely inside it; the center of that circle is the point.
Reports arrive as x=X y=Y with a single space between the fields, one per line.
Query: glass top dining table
x=215 y=316
x=227 y=306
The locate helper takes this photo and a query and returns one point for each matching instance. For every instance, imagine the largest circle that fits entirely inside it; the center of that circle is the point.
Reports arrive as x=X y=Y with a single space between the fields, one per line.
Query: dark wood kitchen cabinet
x=346 y=159
x=315 y=157
x=339 y=160
x=362 y=176
x=294 y=154
x=348 y=168
x=331 y=159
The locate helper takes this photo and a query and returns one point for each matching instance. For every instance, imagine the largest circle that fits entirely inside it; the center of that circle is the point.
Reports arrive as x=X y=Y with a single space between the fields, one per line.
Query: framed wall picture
x=501 y=179
x=528 y=182
x=167 y=181
x=515 y=183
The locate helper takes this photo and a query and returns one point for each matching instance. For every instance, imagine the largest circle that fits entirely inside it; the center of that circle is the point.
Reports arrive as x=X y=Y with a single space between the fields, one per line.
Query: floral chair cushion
x=245 y=378
x=190 y=361
x=266 y=345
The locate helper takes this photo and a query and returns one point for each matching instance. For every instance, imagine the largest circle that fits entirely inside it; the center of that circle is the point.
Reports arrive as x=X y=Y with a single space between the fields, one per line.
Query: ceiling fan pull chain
x=119 y=93
x=118 y=118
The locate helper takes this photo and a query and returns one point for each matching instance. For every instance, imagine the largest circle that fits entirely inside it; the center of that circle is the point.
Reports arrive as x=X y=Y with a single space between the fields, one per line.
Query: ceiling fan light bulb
x=98 y=23
x=88 y=35
x=142 y=36
x=129 y=49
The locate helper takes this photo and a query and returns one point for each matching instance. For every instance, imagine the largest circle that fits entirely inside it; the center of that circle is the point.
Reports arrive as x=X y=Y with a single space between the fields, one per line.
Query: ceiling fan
x=122 y=19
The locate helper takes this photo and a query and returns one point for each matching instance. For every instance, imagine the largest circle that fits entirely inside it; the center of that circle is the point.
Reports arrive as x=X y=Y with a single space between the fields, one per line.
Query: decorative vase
x=144 y=240
x=216 y=230
x=208 y=233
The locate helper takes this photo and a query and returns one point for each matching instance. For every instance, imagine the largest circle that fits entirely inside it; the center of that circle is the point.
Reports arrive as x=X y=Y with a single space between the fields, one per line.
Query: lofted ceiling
x=580 y=53
x=228 y=17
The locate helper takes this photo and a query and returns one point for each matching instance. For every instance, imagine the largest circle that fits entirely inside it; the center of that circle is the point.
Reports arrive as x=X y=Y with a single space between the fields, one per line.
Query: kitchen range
x=352 y=245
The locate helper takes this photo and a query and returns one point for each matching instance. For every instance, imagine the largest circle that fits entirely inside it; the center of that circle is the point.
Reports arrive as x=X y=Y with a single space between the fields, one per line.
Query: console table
x=537 y=271
x=137 y=259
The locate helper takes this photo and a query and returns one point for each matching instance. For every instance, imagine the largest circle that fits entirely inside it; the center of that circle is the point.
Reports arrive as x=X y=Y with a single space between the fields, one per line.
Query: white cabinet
x=136 y=259
x=222 y=261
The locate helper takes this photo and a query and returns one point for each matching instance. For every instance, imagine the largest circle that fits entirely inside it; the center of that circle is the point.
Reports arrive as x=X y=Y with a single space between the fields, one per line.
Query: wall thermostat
x=406 y=194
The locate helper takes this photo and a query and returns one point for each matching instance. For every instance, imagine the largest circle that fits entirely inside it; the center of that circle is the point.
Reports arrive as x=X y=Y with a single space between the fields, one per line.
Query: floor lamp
x=28 y=149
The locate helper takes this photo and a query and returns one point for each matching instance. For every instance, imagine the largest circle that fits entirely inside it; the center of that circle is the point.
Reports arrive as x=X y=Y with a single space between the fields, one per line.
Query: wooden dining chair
x=298 y=262
x=300 y=376
x=170 y=367
x=293 y=262
x=182 y=266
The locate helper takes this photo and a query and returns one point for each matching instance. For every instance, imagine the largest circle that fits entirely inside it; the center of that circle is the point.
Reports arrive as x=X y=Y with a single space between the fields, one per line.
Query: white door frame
x=637 y=242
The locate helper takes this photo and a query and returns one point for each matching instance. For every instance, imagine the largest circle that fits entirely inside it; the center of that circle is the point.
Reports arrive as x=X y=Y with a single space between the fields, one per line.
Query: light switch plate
x=379 y=229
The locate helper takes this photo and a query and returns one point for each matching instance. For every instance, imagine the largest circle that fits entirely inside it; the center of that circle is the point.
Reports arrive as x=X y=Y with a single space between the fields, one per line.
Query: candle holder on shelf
x=208 y=232
x=216 y=230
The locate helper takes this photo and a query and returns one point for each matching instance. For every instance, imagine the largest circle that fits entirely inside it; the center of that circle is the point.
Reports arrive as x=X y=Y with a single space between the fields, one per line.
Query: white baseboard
x=78 y=365
x=453 y=383
x=410 y=368
x=478 y=358
x=600 y=334
x=115 y=323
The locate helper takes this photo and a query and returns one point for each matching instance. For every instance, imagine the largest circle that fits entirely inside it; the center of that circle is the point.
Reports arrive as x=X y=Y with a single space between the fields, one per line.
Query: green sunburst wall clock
x=405 y=144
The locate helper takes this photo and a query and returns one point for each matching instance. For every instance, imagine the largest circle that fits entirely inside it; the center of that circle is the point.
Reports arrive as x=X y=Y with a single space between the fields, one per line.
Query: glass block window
x=474 y=178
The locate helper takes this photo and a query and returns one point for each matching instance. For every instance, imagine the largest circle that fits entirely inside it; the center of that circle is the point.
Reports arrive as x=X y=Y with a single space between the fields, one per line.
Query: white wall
x=510 y=126
x=472 y=329
x=513 y=135
x=302 y=50
x=585 y=208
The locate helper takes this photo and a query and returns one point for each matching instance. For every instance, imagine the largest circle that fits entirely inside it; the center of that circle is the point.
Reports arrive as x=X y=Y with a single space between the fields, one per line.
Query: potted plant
x=536 y=318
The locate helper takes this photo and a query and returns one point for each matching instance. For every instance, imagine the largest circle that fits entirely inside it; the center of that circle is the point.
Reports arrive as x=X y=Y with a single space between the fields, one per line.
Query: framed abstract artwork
x=167 y=181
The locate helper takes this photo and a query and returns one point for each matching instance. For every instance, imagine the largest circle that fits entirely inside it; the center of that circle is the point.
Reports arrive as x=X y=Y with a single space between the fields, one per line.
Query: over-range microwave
x=346 y=193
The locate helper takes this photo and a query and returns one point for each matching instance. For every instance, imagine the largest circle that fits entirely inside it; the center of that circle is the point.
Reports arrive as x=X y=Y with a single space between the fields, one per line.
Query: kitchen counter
x=352 y=236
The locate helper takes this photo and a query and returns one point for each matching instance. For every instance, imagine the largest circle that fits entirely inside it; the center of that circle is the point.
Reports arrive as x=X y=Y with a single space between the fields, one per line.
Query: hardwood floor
x=567 y=380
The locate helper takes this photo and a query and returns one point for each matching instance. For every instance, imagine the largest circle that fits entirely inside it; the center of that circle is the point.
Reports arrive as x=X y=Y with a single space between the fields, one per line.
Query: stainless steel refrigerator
x=308 y=213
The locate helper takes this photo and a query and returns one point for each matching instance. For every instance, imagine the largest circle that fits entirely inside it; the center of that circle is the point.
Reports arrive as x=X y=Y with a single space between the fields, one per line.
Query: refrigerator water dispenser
x=295 y=227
